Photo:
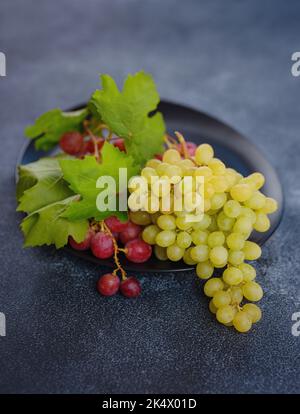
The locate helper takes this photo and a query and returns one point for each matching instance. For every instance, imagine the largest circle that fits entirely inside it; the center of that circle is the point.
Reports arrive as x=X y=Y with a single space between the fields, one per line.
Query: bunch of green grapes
x=234 y=206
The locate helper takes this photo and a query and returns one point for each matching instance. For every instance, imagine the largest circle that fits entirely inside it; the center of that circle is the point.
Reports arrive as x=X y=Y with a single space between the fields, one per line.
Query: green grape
x=204 y=153
x=183 y=224
x=216 y=238
x=208 y=191
x=203 y=224
x=232 y=208
x=183 y=239
x=218 y=255
x=165 y=238
x=241 y=192
x=242 y=322
x=186 y=166
x=236 y=295
x=174 y=252
x=199 y=237
x=148 y=173
x=242 y=225
x=225 y=314
x=235 y=241
x=256 y=201
x=162 y=168
x=160 y=252
x=247 y=212
x=236 y=257
x=171 y=156
x=249 y=272
x=212 y=307
x=219 y=183
x=166 y=222
x=218 y=200
x=231 y=177
x=232 y=276
x=258 y=180
x=262 y=222
x=253 y=311
x=252 y=250
x=225 y=223
x=174 y=172
x=221 y=298
x=200 y=253
x=203 y=172
x=140 y=217
x=252 y=291
x=153 y=163
x=270 y=206
x=161 y=187
x=212 y=286
x=187 y=257
x=217 y=166
x=204 y=270
x=149 y=233
x=213 y=224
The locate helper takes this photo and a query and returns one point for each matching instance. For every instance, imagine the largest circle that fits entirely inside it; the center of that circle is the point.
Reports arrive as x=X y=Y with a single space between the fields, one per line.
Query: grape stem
x=116 y=251
x=183 y=143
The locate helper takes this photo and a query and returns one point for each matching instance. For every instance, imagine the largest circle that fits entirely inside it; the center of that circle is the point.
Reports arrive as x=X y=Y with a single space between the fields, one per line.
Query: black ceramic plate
x=229 y=145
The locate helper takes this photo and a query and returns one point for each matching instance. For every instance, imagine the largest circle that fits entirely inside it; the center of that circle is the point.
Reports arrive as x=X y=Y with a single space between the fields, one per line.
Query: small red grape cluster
x=79 y=145
x=102 y=239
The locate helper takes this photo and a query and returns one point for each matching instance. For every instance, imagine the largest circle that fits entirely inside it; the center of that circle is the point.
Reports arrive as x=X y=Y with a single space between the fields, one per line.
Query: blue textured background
x=231 y=59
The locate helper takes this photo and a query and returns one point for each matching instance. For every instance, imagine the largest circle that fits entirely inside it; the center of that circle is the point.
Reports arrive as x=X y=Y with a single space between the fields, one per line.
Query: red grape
x=115 y=225
x=85 y=244
x=91 y=145
x=102 y=245
x=131 y=232
x=119 y=143
x=108 y=284
x=158 y=156
x=71 y=142
x=138 y=251
x=130 y=287
x=190 y=146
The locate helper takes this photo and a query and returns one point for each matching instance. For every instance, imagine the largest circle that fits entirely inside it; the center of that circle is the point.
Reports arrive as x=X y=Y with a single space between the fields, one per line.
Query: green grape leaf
x=127 y=114
x=49 y=127
x=48 y=226
x=41 y=183
x=82 y=175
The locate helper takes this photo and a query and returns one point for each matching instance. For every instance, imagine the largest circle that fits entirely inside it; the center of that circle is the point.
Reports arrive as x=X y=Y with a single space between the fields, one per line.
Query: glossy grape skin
x=252 y=291
x=212 y=286
x=71 y=142
x=160 y=252
x=242 y=322
x=138 y=251
x=85 y=244
x=174 y=252
x=131 y=232
x=108 y=284
x=253 y=311
x=204 y=270
x=225 y=314
x=140 y=217
x=204 y=154
x=102 y=245
x=115 y=225
x=130 y=287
